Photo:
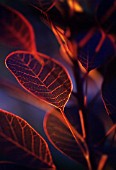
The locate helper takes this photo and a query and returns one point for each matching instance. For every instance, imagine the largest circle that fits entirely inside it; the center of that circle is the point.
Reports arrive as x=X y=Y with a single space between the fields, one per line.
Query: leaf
x=95 y=45
x=107 y=145
x=16 y=92
x=109 y=90
x=5 y=165
x=94 y=48
x=15 y=30
x=43 y=5
x=106 y=16
x=98 y=121
x=60 y=136
x=41 y=76
x=21 y=144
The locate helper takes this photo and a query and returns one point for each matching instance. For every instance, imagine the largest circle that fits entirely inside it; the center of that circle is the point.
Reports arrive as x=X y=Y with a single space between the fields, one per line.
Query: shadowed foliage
x=109 y=90
x=60 y=136
x=15 y=30
x=78 y=94
x=17 y=136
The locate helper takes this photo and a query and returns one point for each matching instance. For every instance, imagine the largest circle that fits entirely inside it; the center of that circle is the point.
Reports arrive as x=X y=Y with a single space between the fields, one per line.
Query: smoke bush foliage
x=75 y=83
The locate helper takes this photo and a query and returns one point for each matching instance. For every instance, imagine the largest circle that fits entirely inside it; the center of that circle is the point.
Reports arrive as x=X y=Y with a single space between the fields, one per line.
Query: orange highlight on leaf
x=15 y=30
x=75 y=6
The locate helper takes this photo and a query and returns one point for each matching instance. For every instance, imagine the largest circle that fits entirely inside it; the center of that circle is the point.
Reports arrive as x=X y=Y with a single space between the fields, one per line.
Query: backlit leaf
x=109 y=90
x=42 y=76
x=15 y=30
x=60 y=136
x=21 y=144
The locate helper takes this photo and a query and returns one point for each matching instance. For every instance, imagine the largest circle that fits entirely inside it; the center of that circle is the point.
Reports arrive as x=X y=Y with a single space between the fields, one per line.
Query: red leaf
x=21 y=144
x=43 y=77
x=15 y=30
x=60 y=136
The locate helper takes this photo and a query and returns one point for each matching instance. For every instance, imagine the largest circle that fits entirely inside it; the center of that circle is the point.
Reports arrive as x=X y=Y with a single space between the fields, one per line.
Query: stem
x=85 y=96
x=80 y=97
x=79 y=139
x=113 y=128
x=82 y=123
x=83 y=111
x=102 y=162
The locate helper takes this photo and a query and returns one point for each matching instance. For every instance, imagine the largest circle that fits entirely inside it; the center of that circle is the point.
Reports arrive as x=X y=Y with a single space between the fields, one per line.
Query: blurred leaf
x=98 y=121
x=109 y=90
x=42 y=5
x=72 y=114
x=15 y=30
x=16 y=92
x=60 y=136
x=42 y=76
x=97 y=117
x=5 y=165
x=95 y=45
x=75 y=6
x=101 y=135
x=20 y=143
x=106 y=16
x=94 y=48
x=107 y=146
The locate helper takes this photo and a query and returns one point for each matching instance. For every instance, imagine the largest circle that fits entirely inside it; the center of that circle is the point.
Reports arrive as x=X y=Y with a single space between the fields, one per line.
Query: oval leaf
x=21 y=144
x=60 y=136
x=43 y=77
x=15 y=30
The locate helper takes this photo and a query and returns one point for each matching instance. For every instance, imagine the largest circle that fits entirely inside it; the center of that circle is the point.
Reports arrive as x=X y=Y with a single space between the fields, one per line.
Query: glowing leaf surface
x=42 y=76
